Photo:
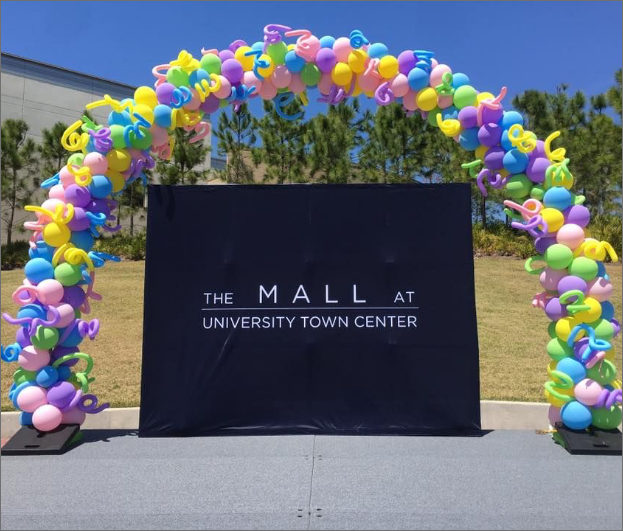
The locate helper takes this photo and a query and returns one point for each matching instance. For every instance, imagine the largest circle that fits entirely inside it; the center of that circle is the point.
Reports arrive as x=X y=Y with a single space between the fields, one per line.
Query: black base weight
x=30 y=441
x=592 y=441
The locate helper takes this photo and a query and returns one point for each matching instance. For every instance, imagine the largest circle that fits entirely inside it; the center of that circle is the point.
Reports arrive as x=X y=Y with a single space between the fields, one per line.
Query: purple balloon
x=99 y=206
x=494 y=158
x=489 y=134
x=79 y=196
x=224 y=55
x=492 y=115
x=59 y=352
x=406 y=62
x=572 y=283
x=579 y=347
x=232 y=70
x=538 y=151
x=536 y=169
x=617 y=327
x=468 y=116
x=554 y=309
x=211 y=104
x=74 y=296
x=164 y=91
x=60 y=394
x=22 y=337
x=80 y=221
x=325 y=59
x=577 y=214
x=541 y=244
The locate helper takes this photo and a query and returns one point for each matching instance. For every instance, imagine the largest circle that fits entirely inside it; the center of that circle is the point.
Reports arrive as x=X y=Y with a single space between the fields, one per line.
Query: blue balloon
x=162 y=116
x=100 y=186
x=573 y=368
x=557 y=197
x=72 y=340
x=377 y=50
x=63 y=372
x=601 y=270
x=515 y=161
x=32 y=311
x=468 y=139
x=294 y=63
x=119 y=118
x=607 y=311
x=47 y=376
x=576 y=415
x=450 y=113
x=38 y=269
x=83 y=239
x=25 y=419
x=259 y=45
x=510 y=118
x=459 y=79
x=418 y=79
x=197 y=75
x=505 y=141
x=42 y=250
x=327 y=41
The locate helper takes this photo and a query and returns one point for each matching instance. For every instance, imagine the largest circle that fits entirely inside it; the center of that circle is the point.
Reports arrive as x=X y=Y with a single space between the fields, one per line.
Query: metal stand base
x=592 y=441
x=30 y=441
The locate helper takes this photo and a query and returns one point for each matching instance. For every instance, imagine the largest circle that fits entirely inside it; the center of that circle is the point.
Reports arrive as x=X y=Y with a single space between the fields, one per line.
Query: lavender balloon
x=571 y=283
x=406 y=62
x=577 y=214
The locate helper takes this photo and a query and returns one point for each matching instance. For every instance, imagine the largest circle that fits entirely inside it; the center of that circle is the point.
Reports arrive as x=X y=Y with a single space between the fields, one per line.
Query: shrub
x=15 y=255
x=123 y=245
x=606 y=227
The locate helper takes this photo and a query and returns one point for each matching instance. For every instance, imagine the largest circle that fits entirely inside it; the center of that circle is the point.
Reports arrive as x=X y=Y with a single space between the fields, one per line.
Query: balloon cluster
x=582 y=389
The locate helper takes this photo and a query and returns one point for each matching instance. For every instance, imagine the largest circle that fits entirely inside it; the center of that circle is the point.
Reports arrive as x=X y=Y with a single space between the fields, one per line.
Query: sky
x=521 y=45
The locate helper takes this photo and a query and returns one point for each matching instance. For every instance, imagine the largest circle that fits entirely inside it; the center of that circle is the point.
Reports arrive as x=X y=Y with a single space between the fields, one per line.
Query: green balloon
x=310 y=75
x=551 y=329
x=603 y=372
x=76 y=159
x=584 y=268
x=537 y=192
x=22 y=376
x=557 y=349
x=518 y=186
x=68 y=274
x=211 y=63
x=45 y=337
x=116 y=133
x=432 y=116
x=140 y=143
x=277 y=52
x=465 y=96
x=603 y=329
x=606 y=419
x=558 y=256
x=178 y=77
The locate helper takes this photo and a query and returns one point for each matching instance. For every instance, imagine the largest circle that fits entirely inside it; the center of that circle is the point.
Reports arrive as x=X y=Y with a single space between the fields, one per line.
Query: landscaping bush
x=500 y=240
x=123 y=245
x=15 y=255
x=606 y=227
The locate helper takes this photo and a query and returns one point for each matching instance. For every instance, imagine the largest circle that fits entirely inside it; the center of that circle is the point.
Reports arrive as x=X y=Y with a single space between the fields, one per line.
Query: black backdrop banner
x=345 y=309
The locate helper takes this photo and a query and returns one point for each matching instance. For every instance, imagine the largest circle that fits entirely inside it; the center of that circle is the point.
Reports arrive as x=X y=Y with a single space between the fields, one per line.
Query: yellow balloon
x=553 y=217
x=118 y=159
x=56 y=234
x=146 y=96
x=266 y=72
x=484 y=96
x=481 y=152
x=388 y=66
x=357 y=61
x=246 y=62
x=427 y=99
x=341 y=74
x=357 y=90
x=557 y=402
x=591 y=315
x=117 y=180
x=145 y=111
x=291 y=46
x=564 y=327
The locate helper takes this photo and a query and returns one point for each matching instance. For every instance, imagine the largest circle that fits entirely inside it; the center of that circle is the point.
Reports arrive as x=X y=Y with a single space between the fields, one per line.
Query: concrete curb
x=495 y=416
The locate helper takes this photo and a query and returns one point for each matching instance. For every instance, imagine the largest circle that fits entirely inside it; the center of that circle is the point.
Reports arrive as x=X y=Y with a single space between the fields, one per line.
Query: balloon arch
x=55 y=296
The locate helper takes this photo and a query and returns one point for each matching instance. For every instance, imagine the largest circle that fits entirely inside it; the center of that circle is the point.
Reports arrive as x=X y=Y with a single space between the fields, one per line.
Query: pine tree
x=19 y=171
x=182 y=167
x=236 y=134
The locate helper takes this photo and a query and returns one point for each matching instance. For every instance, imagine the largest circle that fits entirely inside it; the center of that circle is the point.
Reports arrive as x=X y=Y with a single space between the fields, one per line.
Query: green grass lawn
x=512 y=334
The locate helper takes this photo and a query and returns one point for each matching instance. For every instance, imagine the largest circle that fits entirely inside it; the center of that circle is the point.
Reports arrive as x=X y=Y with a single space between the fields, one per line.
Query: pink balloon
x=587 y=392
x=73 y=416
x=553 y=414
x=67 y=178
x=47 y=418
x=51 y=204
x=600 y=289
x=408 y=101
x=57 y=192
x=296 y=84
x=281 y=76
x=32 y=358
x=325 y=83
x=437 y=73
x=50 y=291
x=31 y=398
x=194 y=103
x=249 y=79
x=342 y=49
x=433 y=63
x=570 y=235
x=314 y=45
x=96 y=162
x=269 y=91
x=550 y=278
x=225 y=89
x=399 y=85
x=368 y=83
x=160 y=136
x=67 y=315
x=443 y=102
